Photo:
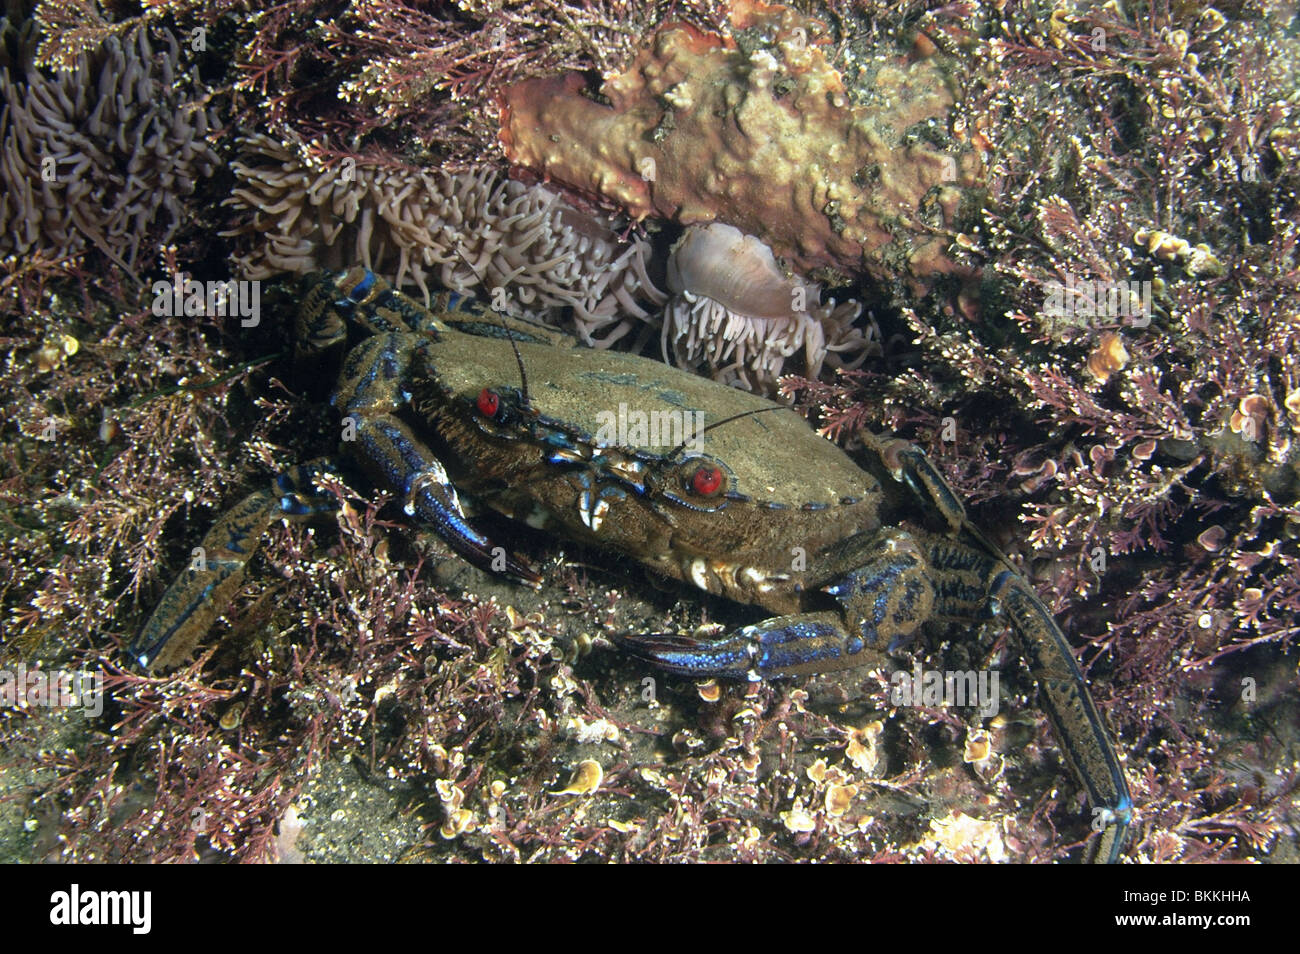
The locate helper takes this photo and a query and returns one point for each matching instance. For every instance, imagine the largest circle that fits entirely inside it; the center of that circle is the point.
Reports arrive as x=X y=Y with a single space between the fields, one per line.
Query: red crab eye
x=489 y=402
x=706 y=481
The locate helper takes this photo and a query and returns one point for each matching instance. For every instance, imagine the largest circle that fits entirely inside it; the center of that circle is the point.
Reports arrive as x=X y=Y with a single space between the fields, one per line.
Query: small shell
x=47 y=357
x=450 y=793
x=232 y=717
x=863 y=748
x=839 y=798
x=979 y=746
x=1203 y=263
x=1161 y=244
x=1211 y=539
x=1108 y=357
x=458 y=822
x=1292 y=402
x=923 y=47
x=586 y=779
x=1251 y=417
x=1256 y=405
x=961 y=832
x=109 y=429
x=798 y=820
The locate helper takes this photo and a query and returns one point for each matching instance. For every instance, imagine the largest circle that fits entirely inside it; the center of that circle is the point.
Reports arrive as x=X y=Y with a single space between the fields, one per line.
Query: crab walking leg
x=329 y=301
x=200 y=594
x=405 y=464
x=1069 y=706
x=1061 y=688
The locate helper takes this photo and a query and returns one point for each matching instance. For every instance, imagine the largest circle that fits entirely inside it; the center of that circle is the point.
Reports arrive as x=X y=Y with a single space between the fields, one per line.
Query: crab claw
x=436 y=503
x=775 y=648
x=406 y=465
x=688 y=656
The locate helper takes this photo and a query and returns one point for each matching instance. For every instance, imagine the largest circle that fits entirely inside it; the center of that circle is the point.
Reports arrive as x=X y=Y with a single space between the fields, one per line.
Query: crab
x=703 y=483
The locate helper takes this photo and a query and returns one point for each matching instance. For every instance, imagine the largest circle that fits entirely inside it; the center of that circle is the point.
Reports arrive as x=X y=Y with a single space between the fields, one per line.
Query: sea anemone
x=102 y=156
x=463 y=231
x=735 y=311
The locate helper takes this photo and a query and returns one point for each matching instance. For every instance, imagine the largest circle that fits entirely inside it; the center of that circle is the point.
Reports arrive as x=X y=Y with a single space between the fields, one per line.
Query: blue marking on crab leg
x=891 y=594
x=775 y=648
x=180 y=608
x=407 y=466
x=788 y=646
x=360 y=296
x=359 y=291
x=688 y=656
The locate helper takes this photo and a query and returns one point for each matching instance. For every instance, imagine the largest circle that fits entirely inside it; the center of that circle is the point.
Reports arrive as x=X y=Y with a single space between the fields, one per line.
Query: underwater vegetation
x=1063 y=243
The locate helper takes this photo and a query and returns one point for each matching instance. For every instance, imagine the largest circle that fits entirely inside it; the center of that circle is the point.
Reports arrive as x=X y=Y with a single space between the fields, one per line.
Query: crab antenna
x=519 y=359
x=726 y=420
